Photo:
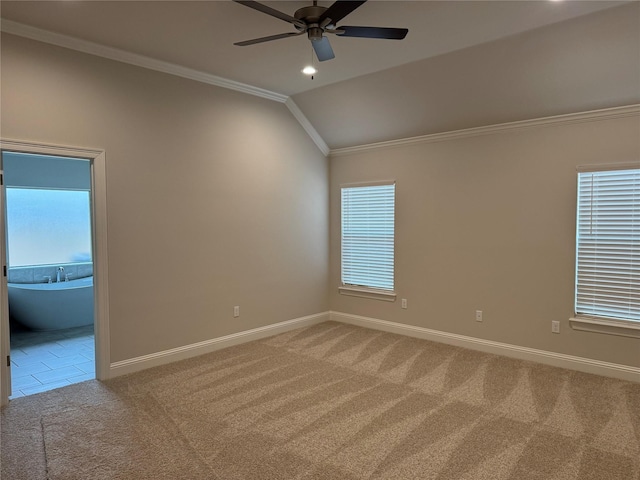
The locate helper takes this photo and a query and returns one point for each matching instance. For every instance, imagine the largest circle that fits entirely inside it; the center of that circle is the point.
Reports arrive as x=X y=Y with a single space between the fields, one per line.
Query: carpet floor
x=331 y=401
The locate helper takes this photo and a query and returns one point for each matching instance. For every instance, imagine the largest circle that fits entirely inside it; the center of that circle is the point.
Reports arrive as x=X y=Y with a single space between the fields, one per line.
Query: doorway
x=54 y=221
x=49 y=271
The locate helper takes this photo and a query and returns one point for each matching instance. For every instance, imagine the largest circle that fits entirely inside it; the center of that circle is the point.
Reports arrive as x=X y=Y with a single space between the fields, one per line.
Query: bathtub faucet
x=60 y=270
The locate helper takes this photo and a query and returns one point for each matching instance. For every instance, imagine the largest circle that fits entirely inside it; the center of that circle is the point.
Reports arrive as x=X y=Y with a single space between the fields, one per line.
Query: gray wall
x=214 y=198
x=488 y=223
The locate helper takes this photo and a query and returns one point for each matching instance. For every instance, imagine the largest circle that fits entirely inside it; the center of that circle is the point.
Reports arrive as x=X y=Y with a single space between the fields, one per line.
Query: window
x=47 y=226
x=608 y=248
x=368 y=213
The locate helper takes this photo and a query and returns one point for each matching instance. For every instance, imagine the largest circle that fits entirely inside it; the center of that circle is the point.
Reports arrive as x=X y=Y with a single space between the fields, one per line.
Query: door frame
x=100 y=263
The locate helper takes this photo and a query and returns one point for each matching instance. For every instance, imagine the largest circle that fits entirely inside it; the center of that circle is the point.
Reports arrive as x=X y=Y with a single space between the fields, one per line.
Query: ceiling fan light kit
x=316 y=20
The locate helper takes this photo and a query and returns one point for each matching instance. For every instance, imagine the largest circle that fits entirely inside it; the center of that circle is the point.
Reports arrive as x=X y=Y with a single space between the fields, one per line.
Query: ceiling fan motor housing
x=311 y=16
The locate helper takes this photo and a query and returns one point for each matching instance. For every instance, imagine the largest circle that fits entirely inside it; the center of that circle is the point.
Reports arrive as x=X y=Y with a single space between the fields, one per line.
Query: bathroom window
x=48 y=226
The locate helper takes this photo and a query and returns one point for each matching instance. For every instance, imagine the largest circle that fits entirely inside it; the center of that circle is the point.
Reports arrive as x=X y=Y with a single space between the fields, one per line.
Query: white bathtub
x=52 y=306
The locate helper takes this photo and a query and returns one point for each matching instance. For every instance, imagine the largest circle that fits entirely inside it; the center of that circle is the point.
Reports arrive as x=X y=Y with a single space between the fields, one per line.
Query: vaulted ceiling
x=463 y=64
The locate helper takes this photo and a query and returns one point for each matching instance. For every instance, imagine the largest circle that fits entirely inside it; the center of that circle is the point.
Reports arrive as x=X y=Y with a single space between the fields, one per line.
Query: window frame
x=595 y=323
x=364 y=291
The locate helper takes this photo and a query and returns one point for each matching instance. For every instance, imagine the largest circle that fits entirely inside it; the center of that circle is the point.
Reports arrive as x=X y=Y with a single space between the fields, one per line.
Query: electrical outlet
x=236 y=311
x=404 y=303
x=555 y=326
x=478 y=315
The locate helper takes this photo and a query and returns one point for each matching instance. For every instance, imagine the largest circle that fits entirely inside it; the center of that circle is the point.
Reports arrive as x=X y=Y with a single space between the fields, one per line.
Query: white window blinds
x=608 y=244
x=368 y=236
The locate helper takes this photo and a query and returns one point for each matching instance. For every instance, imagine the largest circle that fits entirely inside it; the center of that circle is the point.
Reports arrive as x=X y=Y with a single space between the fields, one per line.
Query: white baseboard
x=132 y=365
x=587 y=365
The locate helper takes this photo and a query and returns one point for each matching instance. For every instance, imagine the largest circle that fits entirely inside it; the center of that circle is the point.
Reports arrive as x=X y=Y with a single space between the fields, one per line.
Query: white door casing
x=100 y=264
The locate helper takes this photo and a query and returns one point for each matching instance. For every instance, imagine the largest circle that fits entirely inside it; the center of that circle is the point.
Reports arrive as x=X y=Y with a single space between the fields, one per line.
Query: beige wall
x=488 y=223
x=217 y=198
x=214 y=198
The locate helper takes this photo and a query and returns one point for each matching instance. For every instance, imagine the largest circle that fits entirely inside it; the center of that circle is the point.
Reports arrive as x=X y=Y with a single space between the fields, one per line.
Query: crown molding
x=315 y=136
x=111 y=53
x=123 y=56
x=568 y=119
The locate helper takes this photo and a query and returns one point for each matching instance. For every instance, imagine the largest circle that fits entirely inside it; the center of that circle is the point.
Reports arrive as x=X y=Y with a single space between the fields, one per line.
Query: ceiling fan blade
x=267 y=39
x=373 y=32
x=323 y=49
x=271 y=11
x=338 y=11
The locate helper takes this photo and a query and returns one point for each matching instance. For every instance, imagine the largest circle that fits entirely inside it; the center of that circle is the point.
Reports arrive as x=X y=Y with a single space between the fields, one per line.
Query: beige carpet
x=331 y=401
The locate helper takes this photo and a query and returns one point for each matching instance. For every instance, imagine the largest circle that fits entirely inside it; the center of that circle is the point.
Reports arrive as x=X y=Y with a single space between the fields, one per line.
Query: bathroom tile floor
x=42 y=361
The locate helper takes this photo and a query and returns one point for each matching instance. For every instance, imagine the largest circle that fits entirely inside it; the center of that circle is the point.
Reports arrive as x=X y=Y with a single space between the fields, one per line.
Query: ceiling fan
x=316 y=20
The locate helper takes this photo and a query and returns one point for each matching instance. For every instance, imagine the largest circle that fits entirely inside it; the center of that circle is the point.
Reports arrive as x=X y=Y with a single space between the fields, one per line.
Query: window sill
x=610 y=327
x=368 y=293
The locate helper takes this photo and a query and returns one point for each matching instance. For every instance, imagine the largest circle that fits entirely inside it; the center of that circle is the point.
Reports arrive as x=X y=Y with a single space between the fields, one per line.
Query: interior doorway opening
x=54 y=315
x=49 y=271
